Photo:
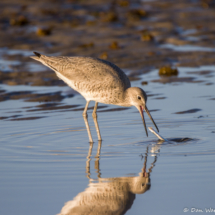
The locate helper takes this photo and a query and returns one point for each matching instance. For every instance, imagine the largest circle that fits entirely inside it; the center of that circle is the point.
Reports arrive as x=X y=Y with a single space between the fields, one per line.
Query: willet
x=97 y=80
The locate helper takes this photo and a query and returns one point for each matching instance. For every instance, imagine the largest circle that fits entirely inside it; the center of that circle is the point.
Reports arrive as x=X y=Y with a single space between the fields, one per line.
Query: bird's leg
x=85 y=109
x=97 y=159
x=96 y=122
x=88 y=160
x=86 y=122
x=98 y=149
x=95 y=109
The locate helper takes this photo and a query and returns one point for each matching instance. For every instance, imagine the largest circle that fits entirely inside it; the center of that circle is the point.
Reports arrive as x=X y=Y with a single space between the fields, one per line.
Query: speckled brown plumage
x=95 y=79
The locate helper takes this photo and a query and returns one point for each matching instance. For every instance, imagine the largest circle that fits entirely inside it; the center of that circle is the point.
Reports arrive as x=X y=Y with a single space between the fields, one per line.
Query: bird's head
x=138 y=99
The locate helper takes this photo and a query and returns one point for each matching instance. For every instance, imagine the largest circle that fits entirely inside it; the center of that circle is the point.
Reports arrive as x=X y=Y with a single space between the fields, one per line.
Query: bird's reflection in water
x=109 y=196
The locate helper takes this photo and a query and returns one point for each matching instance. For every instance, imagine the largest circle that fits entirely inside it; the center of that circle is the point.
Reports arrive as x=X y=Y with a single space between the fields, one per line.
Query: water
x=185 y=48
x=44 y=163
x=7 y=65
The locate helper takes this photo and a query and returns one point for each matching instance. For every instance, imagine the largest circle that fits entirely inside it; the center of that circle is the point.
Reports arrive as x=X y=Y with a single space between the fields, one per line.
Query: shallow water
x=185 y=48
x=45 y=160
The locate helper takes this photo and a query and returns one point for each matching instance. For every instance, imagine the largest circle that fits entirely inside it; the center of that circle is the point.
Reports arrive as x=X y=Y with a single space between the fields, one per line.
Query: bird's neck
x=126 y=98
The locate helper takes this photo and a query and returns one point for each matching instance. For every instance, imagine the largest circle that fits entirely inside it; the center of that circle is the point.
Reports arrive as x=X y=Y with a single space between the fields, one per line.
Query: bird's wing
x=90 y=71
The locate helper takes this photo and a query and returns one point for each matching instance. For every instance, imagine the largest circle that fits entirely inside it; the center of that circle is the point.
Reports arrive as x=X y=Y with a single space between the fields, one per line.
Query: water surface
x=45 y=159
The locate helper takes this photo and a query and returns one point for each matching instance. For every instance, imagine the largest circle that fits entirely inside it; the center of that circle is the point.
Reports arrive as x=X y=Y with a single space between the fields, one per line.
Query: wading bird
x=97 y=80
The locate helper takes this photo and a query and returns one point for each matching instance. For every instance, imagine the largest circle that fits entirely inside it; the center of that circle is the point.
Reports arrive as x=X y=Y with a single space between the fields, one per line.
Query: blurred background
x=129 y=33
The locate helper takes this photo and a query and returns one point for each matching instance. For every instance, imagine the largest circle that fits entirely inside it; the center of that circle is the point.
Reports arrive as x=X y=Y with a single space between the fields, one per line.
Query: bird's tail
x=47 y=61
x=37 y=57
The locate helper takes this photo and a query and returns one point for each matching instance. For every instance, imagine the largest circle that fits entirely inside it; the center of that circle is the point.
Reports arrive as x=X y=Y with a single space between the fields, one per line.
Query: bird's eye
x=143 y=184
x=139 y=97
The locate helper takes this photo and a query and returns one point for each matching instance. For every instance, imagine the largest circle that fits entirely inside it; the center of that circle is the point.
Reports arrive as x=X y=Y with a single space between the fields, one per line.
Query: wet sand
x=132 y=40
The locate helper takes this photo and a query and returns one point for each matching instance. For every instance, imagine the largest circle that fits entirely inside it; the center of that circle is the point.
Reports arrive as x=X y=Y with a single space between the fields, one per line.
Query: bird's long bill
x=144 y=123
x=147 y=111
